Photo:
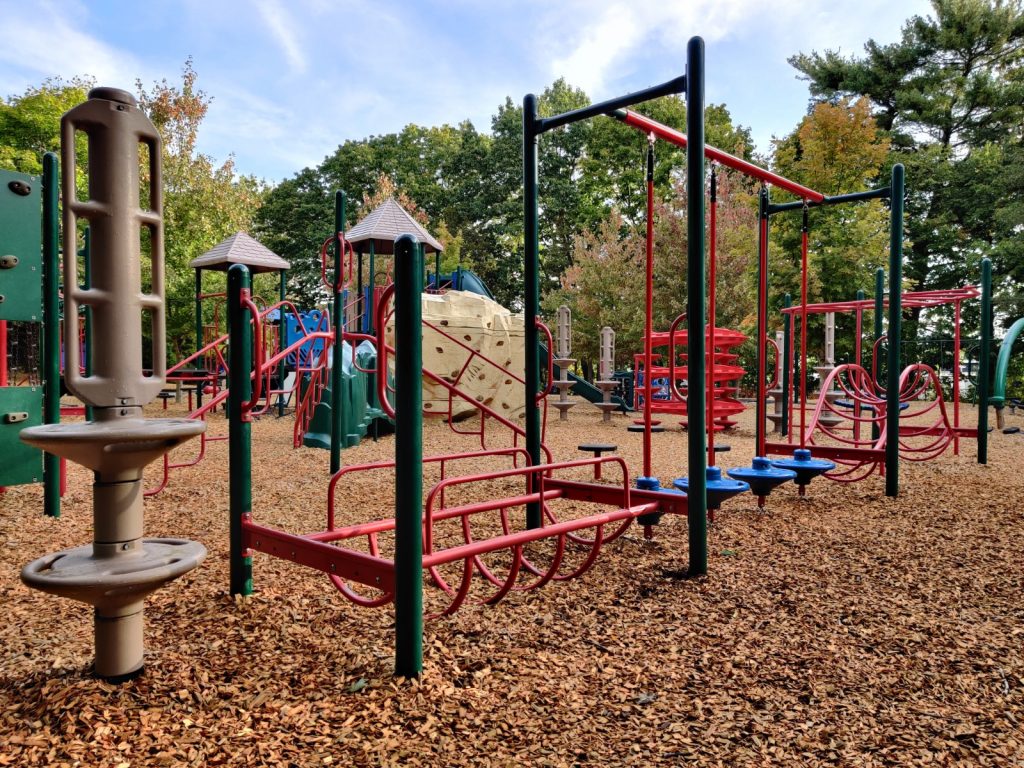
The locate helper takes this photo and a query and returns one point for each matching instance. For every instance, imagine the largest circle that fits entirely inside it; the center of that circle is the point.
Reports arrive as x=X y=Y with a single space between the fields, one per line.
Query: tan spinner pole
x=120 y=568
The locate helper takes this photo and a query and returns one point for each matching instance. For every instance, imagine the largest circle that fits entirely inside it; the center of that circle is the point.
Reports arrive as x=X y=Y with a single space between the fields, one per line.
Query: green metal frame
x=692 y=85
x=408 y=457
x=51 y=326
x=240 y=429
x=998 y=397
x=892 y=387
x=20 y=286
x=338 y=320
x=984 y=359
x=31 y=294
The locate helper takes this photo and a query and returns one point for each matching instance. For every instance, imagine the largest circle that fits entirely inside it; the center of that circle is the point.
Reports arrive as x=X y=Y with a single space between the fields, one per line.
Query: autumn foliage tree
x=605 y=284
x=204 y=201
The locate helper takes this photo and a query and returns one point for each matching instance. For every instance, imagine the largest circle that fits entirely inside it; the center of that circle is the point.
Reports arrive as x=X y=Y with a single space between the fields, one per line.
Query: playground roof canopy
x=240 y=248
x=385 y=223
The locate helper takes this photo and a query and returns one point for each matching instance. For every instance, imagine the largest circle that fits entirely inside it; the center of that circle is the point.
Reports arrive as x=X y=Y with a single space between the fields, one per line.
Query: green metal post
x=373 y=290
x=408 y=458
x=697 y=503
x=876 y=431
x=787 y=361
x=281 y=324
x=892 y=387
x=531 y=297
x=87 y=283
x=51 y=327
x=760 y=406
x=984 y=359
x=437 y=270
x=338 y=319
x=240 y=428
x=362 y=326
x=199 y=310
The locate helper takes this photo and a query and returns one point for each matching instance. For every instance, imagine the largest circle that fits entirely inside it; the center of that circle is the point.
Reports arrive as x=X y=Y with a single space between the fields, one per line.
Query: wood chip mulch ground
x=847 y=629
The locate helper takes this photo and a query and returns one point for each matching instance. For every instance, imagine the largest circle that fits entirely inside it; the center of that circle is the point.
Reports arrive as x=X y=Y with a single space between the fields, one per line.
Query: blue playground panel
x=310 y=322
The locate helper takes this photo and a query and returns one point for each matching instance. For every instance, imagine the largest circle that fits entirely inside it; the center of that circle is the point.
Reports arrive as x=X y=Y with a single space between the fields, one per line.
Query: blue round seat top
x=762 y=477
x=719 y=488
x=806 y=467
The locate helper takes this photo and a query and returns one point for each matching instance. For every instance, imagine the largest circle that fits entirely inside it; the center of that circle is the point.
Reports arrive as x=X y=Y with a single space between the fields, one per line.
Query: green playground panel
x=20 y=407
x=20 y=243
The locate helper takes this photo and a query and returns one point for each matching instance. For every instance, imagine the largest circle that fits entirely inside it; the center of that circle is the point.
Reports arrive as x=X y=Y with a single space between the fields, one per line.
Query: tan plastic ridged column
x=120 y=568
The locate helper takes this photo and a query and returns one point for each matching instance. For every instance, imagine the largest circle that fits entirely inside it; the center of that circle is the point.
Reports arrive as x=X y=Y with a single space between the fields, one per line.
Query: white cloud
x=282 y=27
x=624 y=29
x=48 y=40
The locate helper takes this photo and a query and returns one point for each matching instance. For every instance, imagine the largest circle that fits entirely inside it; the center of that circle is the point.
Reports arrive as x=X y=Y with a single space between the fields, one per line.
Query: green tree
x=30 y=123
x=951 y=94
x=606 y=283
x=836 y=149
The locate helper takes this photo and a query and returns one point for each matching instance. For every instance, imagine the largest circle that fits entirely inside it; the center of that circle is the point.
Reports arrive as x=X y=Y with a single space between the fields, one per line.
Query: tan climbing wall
x=484 y=326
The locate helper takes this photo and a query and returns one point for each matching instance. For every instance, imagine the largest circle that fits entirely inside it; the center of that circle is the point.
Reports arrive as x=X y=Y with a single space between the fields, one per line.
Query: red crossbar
x=730 y=161
x=846 y=453
x=349 y=564
x=520 y=538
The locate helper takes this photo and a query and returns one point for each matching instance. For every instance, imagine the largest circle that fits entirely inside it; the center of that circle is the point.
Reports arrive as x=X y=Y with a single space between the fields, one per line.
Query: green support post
x=984 y=359
x=787 y=361
x=876 y=431
x=760 y=406
x=199 y=312
x=240 y=428
x=697 y=502
x=531 y=297
x=51 y=327
x=87 y=283
x=408 y=458
x=281 y=324
x=362 y=326
x=337 y=320
x=892 y=387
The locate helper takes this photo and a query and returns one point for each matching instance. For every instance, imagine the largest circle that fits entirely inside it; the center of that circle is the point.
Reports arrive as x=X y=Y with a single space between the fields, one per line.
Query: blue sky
x=292 y=79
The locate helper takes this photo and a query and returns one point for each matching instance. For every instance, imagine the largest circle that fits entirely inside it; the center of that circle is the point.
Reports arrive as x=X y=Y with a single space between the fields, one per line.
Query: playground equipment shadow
x=845 y=629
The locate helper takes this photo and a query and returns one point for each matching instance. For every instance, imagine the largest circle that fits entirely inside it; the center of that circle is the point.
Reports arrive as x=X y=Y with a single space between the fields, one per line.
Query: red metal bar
x=710 y=398
x=956 y=378
x=922 y=299
x=648 y=308
x=803 y=332
x=349 y=564
x=648 y=125
x=514 y=453
x=520 y=538
x=762 y=325
x=829 y=452
x=577 y=490
x=857 y=344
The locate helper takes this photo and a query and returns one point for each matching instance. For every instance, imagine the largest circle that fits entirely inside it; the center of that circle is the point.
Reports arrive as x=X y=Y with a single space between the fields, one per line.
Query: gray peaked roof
x=386 y=222
x=240 y=248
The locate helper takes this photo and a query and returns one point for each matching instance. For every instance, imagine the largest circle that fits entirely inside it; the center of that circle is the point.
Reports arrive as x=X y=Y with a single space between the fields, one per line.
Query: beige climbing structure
x=455 y=325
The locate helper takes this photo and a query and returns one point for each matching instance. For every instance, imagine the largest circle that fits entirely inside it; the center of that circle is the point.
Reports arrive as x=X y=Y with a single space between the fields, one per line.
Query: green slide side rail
x=998 y=397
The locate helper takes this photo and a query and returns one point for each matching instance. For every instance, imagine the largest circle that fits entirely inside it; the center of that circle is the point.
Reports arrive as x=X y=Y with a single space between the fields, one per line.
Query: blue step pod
x=719 y=488
x=652 y=519
x=762 y=477
x=806 y=468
